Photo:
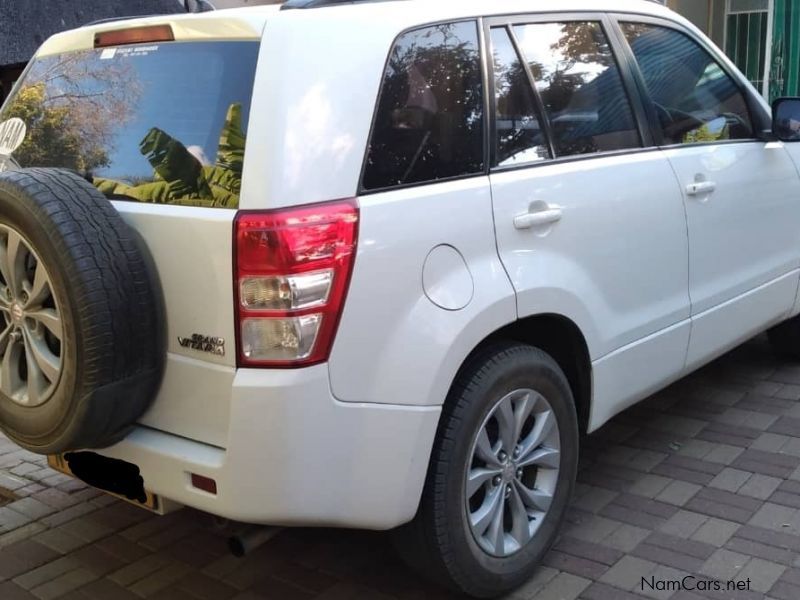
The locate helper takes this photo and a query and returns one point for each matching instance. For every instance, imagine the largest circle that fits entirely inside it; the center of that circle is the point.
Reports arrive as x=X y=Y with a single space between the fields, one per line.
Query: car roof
x=249 y=22
x=424 y=11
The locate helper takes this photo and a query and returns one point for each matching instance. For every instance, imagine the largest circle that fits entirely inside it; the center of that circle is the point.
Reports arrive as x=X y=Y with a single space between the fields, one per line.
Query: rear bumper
x=296 y=456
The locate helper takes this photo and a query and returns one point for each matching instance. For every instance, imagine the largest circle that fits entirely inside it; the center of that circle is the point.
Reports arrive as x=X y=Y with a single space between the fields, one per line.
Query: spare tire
x=82 y=341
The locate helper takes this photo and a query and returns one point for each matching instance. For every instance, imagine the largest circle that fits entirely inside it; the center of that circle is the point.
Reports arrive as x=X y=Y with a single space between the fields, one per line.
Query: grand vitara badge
x=204 y=343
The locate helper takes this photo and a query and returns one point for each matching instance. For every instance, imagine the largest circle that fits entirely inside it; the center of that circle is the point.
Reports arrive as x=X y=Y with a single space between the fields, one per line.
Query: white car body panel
x=724 y=327
x=421 y=347
x=595 y=265
x=743 y=241
x=289 y=437
x=743 y=234
x=347 y=443
x=632 y=373
x=192 y=249
x=793 y=150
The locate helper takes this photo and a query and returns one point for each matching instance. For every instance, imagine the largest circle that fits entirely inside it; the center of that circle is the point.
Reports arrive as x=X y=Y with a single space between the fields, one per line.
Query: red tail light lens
x=134 y=35
x=292 y=270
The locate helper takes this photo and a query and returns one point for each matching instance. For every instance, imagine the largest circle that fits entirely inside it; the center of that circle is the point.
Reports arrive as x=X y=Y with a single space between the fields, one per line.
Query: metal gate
x=748 y=39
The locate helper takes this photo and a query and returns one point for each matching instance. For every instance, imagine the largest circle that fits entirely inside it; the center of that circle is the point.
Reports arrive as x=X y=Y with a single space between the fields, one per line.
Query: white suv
x=380 y=264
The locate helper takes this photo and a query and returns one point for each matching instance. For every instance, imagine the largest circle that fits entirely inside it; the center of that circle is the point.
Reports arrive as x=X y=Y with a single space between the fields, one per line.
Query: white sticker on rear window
x=12 y=134
x=135 y=51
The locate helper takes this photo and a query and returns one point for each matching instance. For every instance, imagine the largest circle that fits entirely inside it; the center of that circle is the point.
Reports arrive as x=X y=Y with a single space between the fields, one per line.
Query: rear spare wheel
x=81 y=326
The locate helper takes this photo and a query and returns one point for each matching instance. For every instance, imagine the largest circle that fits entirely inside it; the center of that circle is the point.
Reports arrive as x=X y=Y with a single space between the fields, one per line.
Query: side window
x=695 y=99
x=519 y=135
x=429 y=119
x=581 y=87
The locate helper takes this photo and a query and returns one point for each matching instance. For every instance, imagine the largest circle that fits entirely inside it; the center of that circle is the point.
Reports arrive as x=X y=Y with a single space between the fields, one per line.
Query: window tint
x=519 y=135
x=695 y=99
x=581 y=87
x=429 y=120
x=163 y=123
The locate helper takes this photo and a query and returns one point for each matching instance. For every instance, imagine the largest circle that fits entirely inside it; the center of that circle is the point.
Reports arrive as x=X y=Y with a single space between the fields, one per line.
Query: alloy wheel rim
x=31 y=328
x=513 y=472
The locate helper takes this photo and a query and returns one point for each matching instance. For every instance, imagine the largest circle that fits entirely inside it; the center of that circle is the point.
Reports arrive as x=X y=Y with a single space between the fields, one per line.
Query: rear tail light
x=292 y=272
x=134 y=35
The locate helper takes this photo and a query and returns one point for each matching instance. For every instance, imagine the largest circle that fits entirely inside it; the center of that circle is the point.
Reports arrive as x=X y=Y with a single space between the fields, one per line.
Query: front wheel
x=501 y=474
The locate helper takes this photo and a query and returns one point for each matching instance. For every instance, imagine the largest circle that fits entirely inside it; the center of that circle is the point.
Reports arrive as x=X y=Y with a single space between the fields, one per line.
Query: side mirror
x=786 y=119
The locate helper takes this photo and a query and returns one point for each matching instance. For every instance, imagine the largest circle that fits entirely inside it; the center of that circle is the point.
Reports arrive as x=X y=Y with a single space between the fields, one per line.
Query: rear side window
x=581 y=87
x=429 y=119
x=163 y=123
x=696 y=100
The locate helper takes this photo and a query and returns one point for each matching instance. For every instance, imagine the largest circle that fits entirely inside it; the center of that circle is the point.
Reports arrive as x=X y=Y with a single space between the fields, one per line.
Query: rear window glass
x=162 y=123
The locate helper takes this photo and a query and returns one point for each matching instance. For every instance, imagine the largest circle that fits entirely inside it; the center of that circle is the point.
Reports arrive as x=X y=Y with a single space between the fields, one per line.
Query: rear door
x=589 y=218
x=742 y=195
x=160 y=129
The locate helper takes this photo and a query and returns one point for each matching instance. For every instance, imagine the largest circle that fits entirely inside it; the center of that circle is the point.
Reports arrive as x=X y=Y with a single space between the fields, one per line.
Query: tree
x=71 y=104
x=180 y=178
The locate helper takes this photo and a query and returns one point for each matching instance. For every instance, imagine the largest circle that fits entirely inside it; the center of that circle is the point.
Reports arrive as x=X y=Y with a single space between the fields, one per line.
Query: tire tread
x=117 y=306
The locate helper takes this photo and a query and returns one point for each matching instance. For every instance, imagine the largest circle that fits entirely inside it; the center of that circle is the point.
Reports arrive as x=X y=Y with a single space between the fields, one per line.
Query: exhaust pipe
x=250 y=538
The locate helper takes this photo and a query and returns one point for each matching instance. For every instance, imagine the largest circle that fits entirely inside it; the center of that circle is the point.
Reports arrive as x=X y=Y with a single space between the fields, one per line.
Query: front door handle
x=700 y=188
x=538 y=218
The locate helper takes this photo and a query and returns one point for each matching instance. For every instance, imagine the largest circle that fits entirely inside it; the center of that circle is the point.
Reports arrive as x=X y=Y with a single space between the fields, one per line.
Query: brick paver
x=700 y=480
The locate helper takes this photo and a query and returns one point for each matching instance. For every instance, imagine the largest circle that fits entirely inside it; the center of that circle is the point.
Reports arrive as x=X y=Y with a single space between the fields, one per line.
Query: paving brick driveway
x=703 y=479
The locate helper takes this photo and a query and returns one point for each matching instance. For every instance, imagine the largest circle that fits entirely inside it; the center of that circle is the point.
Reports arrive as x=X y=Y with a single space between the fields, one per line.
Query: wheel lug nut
x=519 y=473
x=508 y=491
x=516 y=452
x=497 y=480
x=502 y=456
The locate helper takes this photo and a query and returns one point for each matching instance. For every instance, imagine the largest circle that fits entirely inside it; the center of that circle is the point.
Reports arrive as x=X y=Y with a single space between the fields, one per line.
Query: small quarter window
x=519 y=135
x=581 y=87
x=429 y=120
x=696 y=100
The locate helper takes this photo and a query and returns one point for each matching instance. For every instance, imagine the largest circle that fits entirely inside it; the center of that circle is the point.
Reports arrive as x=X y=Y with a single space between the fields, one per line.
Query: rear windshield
x=163 y=123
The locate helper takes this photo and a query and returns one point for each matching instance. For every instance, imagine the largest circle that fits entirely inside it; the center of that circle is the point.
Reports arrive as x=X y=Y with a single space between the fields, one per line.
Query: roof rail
x=293 y=4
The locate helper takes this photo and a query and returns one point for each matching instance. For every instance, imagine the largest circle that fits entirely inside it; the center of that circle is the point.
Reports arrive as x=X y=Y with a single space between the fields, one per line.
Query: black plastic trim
x=541 y=110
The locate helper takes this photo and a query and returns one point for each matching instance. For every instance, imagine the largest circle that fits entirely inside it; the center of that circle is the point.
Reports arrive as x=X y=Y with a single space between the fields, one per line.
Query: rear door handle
x=538 y=218
x=700 y=187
